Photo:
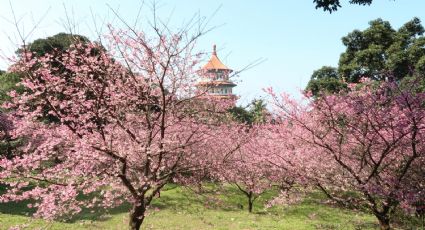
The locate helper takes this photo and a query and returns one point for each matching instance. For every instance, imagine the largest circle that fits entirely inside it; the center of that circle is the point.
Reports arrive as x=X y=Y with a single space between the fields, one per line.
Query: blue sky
x=293 y=37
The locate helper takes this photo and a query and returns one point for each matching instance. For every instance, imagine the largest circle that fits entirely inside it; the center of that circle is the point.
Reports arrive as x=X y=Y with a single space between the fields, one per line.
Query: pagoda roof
x=217 y=83
x=214 y=63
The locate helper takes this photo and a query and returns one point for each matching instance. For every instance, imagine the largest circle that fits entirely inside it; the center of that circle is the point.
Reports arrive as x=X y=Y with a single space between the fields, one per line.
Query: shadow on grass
x=15 y=208
x=98 y=214
x=227 y=198
x=172 y=197
x=188 y=200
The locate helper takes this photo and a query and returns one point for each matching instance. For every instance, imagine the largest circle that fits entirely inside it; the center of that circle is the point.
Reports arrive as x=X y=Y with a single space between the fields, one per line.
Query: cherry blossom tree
x=366 y=145
x=127 y=121
x=260 y=164
x=246 y=170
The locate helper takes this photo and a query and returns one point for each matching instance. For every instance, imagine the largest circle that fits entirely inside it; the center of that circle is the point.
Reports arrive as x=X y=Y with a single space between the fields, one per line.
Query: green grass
x=181 y=208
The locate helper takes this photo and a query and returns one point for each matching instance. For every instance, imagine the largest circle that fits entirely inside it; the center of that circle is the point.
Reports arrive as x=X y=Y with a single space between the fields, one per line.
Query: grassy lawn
x=180 y=208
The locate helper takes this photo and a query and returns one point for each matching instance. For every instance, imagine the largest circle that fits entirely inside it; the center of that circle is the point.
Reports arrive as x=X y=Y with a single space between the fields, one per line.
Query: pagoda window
x=224 y=76
x=219 y=76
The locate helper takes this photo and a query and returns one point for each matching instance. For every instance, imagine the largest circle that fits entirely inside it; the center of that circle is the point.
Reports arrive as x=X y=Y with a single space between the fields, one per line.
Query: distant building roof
x=214 y=63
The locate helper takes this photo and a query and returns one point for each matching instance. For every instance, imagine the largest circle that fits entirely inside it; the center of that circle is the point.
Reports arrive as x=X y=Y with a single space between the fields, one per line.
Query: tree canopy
x=255 y=112
x=334 y=5
x=8 y=82
x=105 y=132
x=55 y=46
x=56 y=43
x=379 y=52
x=325 y=79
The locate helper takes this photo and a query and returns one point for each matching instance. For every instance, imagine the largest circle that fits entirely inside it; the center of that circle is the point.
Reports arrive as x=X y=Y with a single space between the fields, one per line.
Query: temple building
x=215 y=80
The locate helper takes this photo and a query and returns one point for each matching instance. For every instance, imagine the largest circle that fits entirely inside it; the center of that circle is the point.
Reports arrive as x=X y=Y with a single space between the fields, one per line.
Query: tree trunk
x=384 y=222
x=137 y=215
x=250 y=202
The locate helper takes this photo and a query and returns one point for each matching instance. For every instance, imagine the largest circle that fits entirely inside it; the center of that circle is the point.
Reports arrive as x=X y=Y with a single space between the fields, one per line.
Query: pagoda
x=215 y=80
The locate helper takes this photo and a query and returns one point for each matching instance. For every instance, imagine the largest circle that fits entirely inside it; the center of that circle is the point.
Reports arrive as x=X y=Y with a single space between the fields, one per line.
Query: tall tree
x=379 y=53
x=54 y=45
